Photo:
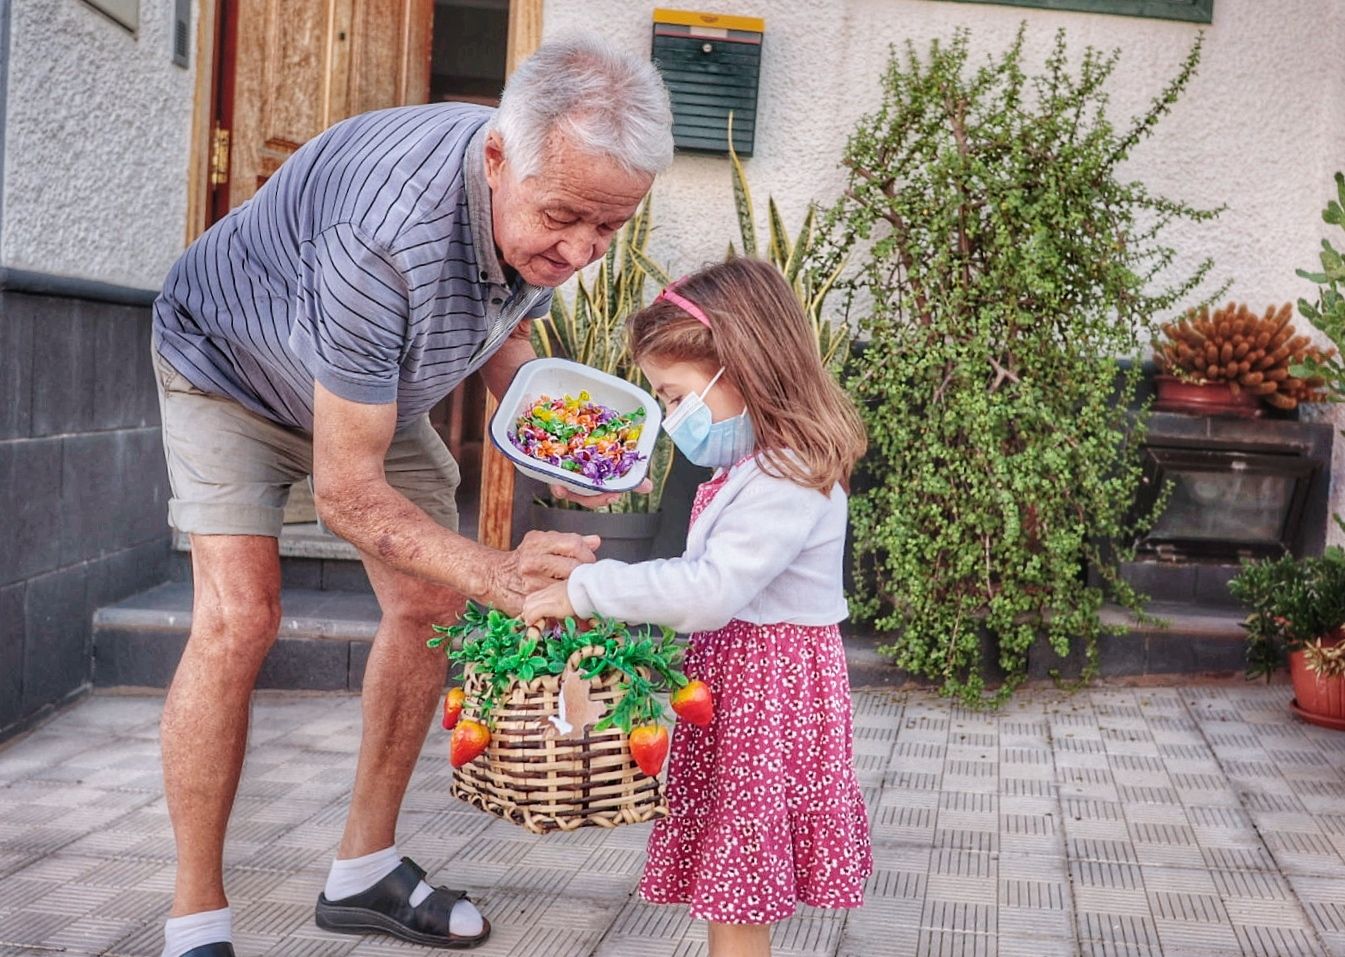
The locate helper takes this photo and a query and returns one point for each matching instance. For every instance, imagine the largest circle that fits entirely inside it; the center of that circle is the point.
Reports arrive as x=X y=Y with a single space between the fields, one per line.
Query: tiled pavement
x=1134 y=822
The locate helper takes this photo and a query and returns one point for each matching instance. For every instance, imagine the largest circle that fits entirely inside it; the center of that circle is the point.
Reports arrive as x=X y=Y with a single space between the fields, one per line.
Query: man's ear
x=495 y=162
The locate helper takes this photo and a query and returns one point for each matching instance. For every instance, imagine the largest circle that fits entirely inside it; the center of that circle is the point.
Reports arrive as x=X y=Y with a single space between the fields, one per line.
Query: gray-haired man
x=311 y=330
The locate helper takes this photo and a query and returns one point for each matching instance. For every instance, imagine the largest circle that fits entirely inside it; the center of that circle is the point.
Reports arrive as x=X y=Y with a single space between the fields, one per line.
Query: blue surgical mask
x=702 y=440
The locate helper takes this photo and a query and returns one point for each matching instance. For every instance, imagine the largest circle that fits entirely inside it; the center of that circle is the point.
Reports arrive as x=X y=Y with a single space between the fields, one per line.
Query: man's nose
x=578 y=252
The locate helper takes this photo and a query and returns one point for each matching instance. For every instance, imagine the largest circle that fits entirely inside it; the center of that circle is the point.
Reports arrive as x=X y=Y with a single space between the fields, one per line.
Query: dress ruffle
x=755 y=871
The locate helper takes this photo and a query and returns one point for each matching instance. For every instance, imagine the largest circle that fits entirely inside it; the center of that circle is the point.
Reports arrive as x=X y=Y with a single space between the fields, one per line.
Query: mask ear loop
x=711 y=384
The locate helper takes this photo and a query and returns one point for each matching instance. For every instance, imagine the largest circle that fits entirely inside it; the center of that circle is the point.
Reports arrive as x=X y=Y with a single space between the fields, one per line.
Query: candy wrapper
x=579 y=435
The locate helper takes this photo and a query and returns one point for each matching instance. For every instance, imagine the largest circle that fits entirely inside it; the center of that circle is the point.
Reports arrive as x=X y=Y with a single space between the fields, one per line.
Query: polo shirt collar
x=479 y=210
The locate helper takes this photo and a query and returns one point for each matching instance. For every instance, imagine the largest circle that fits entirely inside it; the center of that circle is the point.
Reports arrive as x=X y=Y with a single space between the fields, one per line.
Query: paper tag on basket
x=577 y=710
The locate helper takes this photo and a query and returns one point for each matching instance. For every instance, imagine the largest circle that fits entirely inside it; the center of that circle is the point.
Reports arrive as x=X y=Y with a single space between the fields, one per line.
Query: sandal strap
x=443 y=898
x=391 y=897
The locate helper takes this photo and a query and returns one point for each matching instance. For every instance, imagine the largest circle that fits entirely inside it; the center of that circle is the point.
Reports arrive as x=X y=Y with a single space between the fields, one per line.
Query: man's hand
x=563 y=493
x=541 y=559
x=552 y=602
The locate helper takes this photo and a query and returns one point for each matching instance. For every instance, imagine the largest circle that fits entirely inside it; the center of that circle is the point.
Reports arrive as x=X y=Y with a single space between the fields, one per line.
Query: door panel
x=284 y=58
x=389 y=61
x=300 y=67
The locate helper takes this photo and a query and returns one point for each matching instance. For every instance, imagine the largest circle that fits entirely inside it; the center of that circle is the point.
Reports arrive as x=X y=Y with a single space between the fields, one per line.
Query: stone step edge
x=866 y=667
x=311 y=627
x=1201 y=626
x=296 y=541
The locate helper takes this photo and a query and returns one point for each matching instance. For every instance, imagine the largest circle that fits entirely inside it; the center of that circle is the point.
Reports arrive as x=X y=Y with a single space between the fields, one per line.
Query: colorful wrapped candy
x=580 y=435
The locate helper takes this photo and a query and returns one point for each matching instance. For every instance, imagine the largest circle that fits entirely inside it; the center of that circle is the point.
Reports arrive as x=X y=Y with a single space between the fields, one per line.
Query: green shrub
x=1006 y=266
x=1291 y=602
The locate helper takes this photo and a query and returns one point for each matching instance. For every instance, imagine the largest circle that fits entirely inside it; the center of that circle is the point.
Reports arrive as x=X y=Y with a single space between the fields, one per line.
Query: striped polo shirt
x=366 y=263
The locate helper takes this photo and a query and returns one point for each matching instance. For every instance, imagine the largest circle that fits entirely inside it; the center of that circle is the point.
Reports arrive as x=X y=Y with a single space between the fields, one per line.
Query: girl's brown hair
x=807 y=429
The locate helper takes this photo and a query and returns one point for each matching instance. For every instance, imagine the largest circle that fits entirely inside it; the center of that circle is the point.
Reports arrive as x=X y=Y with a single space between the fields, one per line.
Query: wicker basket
x=532 y=777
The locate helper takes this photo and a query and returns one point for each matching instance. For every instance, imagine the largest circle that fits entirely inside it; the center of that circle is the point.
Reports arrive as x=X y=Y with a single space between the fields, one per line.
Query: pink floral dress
x=764 y=807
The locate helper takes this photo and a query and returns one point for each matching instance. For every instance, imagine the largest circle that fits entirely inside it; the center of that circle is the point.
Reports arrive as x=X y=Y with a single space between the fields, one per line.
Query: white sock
x=358 y=874
x=181 y=934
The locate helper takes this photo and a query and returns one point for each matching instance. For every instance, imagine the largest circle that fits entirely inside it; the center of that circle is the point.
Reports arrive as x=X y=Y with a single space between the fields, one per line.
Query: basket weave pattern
x=531 y=776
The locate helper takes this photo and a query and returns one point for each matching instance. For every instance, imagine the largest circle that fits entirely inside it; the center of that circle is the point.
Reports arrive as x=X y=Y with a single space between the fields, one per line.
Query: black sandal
x=211 y=950
x=386 y=908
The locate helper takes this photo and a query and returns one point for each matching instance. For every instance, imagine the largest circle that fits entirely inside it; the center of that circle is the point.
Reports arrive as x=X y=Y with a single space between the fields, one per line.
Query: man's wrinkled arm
x=350 y=442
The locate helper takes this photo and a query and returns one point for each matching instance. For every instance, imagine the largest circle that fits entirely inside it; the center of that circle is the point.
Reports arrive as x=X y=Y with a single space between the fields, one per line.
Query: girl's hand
x=562 y=493
x=552 y=602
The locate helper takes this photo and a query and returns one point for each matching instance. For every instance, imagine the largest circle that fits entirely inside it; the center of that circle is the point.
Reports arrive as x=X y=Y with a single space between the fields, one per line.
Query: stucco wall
x=96 y=144
x=1260 y=129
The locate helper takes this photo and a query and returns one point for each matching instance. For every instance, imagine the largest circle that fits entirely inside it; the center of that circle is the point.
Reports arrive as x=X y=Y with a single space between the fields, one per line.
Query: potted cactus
x=1231 y=361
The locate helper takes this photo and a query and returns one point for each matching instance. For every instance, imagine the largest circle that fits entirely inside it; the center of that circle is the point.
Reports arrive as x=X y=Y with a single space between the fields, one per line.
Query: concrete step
x=323 y=643
x=322 y=646
x=1187 y=641
x=311 y=558
x=325 y=636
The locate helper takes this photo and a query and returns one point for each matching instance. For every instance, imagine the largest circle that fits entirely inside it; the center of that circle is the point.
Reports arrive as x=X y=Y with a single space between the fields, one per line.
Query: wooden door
x=289 y=70
x=281 y=71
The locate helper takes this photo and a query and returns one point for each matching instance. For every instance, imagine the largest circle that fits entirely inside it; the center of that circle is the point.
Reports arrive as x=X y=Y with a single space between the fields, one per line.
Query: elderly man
x=310 y=331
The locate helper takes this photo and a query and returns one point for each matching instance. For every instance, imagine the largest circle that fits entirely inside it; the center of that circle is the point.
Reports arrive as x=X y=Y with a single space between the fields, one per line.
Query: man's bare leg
x=402 y=684
x=235 y=617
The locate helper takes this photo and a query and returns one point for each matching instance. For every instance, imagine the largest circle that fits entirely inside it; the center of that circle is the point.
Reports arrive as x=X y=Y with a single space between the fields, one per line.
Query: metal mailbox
x=711 y=64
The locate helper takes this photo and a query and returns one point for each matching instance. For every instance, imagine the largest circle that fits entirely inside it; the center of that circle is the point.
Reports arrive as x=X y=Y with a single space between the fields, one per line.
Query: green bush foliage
x=1290 y=602
x=1006 y=266
x=1327 y=314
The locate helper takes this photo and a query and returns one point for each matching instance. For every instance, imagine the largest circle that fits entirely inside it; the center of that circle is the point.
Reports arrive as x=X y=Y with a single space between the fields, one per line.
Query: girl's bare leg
x=740 y=940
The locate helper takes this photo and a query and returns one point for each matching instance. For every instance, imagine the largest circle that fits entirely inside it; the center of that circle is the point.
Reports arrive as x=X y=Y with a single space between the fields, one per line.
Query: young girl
x=765 y=809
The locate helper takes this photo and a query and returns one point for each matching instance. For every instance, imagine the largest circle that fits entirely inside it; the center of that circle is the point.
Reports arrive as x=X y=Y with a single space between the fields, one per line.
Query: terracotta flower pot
x=1317 y=700
x=1204 y=398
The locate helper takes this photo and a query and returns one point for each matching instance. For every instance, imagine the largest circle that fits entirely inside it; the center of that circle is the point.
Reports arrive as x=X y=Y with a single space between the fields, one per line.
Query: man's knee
x=242 y=625
x=422 y=618
x=413 y=604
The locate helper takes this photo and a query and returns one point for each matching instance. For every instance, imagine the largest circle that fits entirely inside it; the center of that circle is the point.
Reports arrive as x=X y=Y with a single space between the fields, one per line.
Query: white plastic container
x=561 y=377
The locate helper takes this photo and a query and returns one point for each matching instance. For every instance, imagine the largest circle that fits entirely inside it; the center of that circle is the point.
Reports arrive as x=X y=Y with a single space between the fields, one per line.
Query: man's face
x=565 y=216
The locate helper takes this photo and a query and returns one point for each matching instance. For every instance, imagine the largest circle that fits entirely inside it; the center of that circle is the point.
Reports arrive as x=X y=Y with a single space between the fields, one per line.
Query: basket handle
x=588 y=651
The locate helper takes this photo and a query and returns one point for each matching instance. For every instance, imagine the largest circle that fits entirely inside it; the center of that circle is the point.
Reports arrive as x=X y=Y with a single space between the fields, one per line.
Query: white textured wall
x=96 y=144
x=1260 y=130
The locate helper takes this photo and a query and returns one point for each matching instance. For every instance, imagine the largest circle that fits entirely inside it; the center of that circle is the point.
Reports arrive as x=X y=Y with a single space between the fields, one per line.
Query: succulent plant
x=1251 y=352
x=1323 y=659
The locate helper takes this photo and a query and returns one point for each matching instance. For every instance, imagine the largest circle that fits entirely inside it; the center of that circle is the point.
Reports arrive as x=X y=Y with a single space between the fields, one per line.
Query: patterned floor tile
x=1169 y=822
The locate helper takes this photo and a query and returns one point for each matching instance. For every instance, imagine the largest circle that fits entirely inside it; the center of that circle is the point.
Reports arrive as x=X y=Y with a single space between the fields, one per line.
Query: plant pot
x=1204 y=398
x=1317 y=700
x=627 y=537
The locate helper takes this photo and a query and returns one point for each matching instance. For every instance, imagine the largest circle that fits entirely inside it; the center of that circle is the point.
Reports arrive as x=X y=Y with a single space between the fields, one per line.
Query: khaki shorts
x=231 y=470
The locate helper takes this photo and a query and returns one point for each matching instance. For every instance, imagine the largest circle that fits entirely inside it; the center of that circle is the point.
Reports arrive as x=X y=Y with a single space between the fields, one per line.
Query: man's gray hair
x=604 y=102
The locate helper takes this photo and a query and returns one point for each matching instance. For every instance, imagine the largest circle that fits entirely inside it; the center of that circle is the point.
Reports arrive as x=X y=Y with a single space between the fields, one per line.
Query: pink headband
x=683 y=303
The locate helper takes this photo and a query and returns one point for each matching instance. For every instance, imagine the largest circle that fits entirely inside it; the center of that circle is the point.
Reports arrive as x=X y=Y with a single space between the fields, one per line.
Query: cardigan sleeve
x=752 y=541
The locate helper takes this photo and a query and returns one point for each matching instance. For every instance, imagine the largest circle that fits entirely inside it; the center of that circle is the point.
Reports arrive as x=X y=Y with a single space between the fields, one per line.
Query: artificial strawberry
x=693 y=702
x=649 y=746
x=469 y=740
x=453 y=702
